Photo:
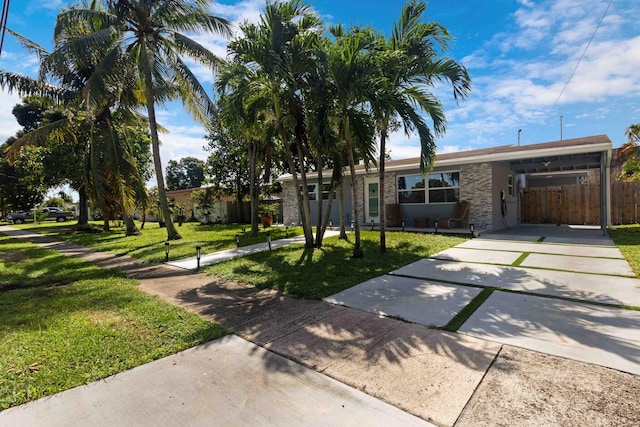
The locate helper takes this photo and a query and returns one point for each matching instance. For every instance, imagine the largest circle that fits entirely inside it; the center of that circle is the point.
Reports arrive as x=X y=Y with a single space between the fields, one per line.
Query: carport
x=563 y=161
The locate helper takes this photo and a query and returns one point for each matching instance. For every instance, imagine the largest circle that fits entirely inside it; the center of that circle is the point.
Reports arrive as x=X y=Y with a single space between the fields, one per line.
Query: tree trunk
x=319 y=222
x=343 y=227
x=253 y=194
x=172 y=233
x=357 y=249
x=83 y=211
x=131 y=229
x=381 y=210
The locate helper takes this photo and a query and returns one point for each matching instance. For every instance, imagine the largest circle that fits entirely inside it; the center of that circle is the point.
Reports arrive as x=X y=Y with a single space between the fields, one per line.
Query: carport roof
x=556 y=156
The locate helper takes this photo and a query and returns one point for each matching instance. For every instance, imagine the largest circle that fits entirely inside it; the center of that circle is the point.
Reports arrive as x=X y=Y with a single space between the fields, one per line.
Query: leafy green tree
x=186 y=173
x=629 y=154
x=22 y=179
x=149 y=34
x=411 y=62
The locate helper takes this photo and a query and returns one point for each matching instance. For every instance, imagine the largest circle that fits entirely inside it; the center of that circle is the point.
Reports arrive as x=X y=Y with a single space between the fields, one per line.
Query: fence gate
x=566 y=204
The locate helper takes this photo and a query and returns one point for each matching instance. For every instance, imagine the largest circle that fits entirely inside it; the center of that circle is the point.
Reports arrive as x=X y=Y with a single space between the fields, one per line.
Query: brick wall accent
x=289 y=203
x=390 y=190
x=476 y=187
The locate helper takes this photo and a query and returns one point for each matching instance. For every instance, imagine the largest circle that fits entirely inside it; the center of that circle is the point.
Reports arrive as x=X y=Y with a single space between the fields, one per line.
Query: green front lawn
x=149 y=247
x=627 y=238
x=320 y=273
x=64 y=323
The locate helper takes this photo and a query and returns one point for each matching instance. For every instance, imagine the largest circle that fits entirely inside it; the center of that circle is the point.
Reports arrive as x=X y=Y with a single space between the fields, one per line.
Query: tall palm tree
x=110 y=167
x=151 y=38
x=242 y=115
x=353 y=73
x=282 y=47
x=411 y=63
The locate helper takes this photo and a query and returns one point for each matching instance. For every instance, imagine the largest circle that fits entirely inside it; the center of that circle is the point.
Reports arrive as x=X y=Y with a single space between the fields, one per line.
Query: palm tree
x=353 y=73
x=151 y=39
x=110 y=167
x=241 y=114
x=629 y=154
x=281 y=46
x=411 y=63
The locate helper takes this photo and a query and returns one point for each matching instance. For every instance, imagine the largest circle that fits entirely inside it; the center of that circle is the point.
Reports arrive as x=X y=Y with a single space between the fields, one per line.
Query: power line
x=3 y=21
x=584 y=52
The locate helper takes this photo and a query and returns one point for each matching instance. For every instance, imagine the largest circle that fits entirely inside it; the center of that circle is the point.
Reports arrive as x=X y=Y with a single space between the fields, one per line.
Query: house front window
x=442 y=187
x=411 y=189
x=326 y=190
x=311 y=190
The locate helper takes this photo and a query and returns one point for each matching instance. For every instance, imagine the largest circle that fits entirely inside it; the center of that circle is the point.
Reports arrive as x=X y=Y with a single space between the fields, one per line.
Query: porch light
x=166 y=251
x=472 y=228
x=402 y=224
x=435 y=225
x=237 y=240
x=198 y=252
x=269 y=240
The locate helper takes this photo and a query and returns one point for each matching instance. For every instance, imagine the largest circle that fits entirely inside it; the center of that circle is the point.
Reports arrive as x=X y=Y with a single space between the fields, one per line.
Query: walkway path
x=442 y=377
x=221 y=256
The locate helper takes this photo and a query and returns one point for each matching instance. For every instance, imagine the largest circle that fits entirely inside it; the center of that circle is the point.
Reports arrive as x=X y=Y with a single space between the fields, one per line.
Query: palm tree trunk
x=343 y=227
x=383 y=230
x=172 y=233
x=253 y=194
x=306 y=209
x=357 y=249
x=319 y=224
x=131 y=229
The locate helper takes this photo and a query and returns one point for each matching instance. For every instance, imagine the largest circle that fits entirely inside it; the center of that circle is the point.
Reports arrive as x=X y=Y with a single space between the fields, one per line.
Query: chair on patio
x=461 y=216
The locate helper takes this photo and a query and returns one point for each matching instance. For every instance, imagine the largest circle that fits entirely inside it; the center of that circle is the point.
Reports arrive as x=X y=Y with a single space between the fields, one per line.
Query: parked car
x=52 y=213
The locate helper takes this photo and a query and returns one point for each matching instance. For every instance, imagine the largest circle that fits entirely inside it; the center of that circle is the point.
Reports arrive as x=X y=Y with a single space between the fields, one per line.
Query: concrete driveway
x=564 y=291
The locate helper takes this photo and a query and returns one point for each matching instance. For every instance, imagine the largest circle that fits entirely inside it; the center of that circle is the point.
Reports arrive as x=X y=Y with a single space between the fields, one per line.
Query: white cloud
x=8 y=124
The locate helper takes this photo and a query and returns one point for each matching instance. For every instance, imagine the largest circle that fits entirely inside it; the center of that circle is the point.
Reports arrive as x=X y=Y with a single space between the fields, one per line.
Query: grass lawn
x=64 y=323
x=149 y=247
x=627 y=238
x=320 y=273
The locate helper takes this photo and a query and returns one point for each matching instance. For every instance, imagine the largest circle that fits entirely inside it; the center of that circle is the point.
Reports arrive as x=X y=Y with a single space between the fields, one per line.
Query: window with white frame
x=440 y=187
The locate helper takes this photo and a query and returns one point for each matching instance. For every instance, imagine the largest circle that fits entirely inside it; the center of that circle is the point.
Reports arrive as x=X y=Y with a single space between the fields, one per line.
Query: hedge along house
x=490 y=179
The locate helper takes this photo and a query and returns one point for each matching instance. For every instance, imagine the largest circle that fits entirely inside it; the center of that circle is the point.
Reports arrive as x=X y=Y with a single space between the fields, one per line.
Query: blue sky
x=519 y=53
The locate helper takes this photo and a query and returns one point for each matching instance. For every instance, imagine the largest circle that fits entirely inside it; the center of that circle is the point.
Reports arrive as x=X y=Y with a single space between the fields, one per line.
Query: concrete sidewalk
x=226 y=382
x=442 y=377
x=221 y=256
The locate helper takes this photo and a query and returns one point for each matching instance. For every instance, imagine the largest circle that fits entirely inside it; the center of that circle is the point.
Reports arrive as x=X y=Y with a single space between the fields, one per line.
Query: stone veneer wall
x=476 y=187
x=390 y=190
x=289 y=203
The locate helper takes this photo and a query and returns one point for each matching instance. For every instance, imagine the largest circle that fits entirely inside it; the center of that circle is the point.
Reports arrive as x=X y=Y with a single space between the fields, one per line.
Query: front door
x=371 y=200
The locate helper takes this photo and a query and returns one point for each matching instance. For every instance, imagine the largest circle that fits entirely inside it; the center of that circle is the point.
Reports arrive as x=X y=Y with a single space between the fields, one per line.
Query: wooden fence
x=580 y=204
